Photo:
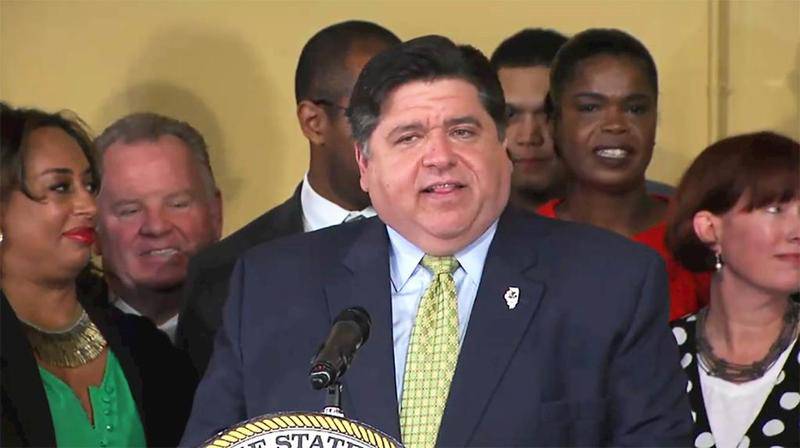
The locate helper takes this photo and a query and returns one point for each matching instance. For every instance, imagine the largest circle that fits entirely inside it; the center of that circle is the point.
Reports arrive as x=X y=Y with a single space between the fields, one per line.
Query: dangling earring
x=718 y=264
x=1 y=236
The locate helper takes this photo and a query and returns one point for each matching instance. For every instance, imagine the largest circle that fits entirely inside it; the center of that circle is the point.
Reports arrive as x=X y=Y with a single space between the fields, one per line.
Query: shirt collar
x=404 y=257
x=319 y=212
x=167 y=327
x=122 y=305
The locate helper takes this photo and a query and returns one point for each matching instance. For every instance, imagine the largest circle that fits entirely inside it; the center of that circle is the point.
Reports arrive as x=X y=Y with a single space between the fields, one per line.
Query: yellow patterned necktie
x=432 y=356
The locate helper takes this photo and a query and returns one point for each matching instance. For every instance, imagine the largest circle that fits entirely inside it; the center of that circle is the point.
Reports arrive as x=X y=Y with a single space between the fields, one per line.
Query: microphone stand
x=333 y=400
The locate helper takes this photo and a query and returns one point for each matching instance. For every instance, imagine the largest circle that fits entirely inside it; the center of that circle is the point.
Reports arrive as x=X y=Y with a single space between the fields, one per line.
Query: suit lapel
x=495 y=330
x=363 y=280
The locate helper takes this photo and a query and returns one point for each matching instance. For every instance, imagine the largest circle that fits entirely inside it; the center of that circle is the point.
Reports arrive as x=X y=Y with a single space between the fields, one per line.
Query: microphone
x=349 y=331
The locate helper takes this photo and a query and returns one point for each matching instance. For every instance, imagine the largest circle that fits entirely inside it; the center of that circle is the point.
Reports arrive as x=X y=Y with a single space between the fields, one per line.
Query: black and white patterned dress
x=777 y=423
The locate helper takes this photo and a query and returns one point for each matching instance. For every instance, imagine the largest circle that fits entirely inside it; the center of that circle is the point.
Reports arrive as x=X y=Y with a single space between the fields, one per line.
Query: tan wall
x=228 y=68
x=762 y=73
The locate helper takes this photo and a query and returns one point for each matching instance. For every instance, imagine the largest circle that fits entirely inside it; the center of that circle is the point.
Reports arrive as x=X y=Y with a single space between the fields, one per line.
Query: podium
x=301 y=430
x=328 y=429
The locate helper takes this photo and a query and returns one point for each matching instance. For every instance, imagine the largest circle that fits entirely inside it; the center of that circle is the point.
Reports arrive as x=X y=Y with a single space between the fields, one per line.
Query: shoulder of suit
x=328 y=241
x=114 y=319
x=566 y=238
x=272 y=224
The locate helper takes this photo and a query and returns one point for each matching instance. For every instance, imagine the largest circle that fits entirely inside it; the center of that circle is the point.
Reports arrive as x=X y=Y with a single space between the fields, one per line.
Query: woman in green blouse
x=72 y=375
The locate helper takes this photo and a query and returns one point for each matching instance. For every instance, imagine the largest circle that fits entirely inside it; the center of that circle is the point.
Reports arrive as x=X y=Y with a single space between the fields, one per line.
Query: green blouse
x=116 y=420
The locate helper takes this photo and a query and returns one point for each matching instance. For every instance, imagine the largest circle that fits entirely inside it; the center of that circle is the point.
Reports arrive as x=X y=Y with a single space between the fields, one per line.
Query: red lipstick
x=83 y=235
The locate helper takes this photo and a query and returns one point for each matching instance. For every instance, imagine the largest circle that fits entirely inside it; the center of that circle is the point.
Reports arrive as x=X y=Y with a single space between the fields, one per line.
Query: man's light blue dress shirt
x=410 y=280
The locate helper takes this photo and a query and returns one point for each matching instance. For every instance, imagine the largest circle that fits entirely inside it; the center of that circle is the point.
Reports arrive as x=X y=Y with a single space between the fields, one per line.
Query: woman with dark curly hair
x=737 y=215
x=72 y=374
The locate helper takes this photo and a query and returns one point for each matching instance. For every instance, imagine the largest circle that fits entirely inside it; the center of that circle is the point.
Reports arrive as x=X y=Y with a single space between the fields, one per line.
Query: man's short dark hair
x=531 y=47
x=321 y=71
x=427 y=58
x=596 y=42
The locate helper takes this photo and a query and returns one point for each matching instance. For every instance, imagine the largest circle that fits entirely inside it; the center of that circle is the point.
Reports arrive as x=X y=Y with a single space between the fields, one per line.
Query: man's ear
x=551 y=127
x=97 y=249
x=2 y=225
x=362 y=161
x=313 y=121
x=216 y=215
x=708 y=228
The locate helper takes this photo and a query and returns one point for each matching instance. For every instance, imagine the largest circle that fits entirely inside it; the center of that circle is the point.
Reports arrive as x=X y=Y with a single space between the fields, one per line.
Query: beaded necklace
x=740 y=373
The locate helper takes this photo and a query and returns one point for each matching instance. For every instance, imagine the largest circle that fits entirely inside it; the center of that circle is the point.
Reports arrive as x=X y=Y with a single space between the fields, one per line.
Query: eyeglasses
x=328 y=103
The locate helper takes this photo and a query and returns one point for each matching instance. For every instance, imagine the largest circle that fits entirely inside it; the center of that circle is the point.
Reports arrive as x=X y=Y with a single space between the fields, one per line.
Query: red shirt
x=688 y=291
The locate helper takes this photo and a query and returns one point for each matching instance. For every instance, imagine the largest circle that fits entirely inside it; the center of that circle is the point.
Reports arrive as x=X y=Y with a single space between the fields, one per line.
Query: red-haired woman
x=737 y=214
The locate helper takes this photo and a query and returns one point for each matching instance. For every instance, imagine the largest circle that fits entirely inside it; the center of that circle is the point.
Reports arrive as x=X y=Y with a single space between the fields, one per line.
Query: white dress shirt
x=319 y=212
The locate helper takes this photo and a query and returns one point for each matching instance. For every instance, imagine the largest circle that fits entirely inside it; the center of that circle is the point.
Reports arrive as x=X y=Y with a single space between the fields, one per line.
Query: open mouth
x=443 y=187
x=612 y=153
x=165 y=252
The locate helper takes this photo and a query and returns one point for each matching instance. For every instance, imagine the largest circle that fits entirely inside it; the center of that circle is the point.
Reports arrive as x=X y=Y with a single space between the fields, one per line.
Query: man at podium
x=490 y=326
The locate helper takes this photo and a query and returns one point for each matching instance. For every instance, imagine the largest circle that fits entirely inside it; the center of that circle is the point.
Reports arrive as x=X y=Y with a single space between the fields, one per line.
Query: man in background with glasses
x=329 y=194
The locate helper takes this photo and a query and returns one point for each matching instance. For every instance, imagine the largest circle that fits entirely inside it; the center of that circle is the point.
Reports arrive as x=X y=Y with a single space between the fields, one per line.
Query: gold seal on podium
x=301 y=430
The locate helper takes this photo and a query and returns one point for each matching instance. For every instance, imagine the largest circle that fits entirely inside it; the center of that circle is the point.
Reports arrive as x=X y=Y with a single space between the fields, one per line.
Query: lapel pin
x=512 y=297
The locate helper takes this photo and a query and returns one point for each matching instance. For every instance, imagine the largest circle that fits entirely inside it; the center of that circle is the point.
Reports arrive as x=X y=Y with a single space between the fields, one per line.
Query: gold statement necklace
x=75 y=346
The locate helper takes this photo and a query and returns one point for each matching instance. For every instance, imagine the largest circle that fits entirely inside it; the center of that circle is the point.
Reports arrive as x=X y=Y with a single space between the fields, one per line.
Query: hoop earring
x=718 y=259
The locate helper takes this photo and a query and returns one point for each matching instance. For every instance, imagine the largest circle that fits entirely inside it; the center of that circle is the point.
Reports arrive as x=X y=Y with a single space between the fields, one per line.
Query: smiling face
x=50 y=236
x=155 y=213
x=537 y=170
x=437 y=171
x=607 y=122
x=761 y=248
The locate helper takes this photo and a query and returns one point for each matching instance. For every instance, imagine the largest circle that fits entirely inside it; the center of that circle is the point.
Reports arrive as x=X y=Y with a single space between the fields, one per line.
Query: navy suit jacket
x=585 y=358
x=206 y=286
